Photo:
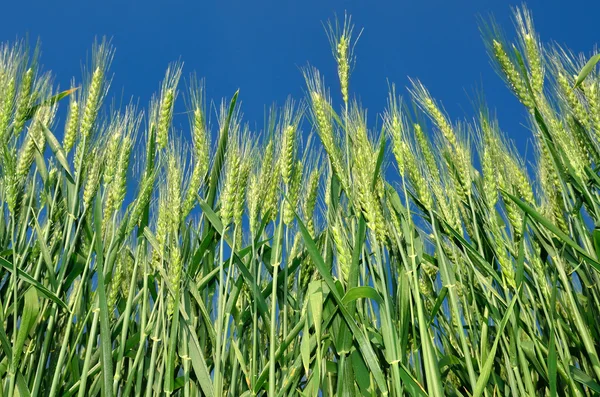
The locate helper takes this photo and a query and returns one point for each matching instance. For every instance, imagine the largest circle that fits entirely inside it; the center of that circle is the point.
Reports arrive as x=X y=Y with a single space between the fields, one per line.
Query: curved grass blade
x=531 y=212
x=584 y=379
x=58 y=152
x=30 y=280
x=589 y=66
x=486 y=370
x=50 y=101
x=362 y=292
x=31 y=309
x=198 y=361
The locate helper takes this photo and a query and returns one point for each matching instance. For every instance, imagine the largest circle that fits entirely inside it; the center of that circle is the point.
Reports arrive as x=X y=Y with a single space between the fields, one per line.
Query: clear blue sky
x=258 y=46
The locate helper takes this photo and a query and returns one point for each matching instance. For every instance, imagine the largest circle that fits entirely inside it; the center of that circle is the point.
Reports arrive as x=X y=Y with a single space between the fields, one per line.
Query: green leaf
x=362 y=376
x=40 y=165
x=22 y=386
x=438 y=304
x=474 y=253
x=589 y=66
x=197 y=358
x=30 y=312
x=44 y=251
x=240 y=358
x=58 y=151
x=552 y=364
x=486 y=370
x=193 y=290
x=305 y=349
x=362 y=292
x=6 y=345
x=584 y=379
x=214 y=219
x=30 y=280
x=312 y=387
x=596 y=237
x=551 y=227
x=344 y=342
x=50 y=101
x=315 y=297
x=521 y=256
x=380 y=156
x=170 y=370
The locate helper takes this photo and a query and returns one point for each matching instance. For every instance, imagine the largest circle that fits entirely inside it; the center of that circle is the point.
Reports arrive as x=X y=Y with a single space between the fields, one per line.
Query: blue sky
x=259 y=47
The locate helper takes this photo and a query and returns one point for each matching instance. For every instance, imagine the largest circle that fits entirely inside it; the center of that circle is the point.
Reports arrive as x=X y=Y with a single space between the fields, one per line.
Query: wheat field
x=327 y=254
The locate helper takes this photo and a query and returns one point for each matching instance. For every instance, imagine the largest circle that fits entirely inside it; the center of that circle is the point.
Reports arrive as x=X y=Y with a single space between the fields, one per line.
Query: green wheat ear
x=342 y=45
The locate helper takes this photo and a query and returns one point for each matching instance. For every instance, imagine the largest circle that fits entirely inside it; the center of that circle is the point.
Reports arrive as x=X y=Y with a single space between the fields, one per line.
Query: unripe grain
x=24 y=101
x=287 y=153
x=293 y=193
x=573 y=101
x=112 y=157
x=175 y=271
x=118 y=186
x=7 y=105
x=311 y=201
x=164 y=118
x=425 y=148
x=92 y=181
x=229 y=191
x=535 y=62
x=90 y=111
x=344 y=254
x=398 y=143
x=71 y=126
x=343 y=66
x=174 y=193
x=514 y=78
x=240 y=196
x=253 y=199
x=144 y=196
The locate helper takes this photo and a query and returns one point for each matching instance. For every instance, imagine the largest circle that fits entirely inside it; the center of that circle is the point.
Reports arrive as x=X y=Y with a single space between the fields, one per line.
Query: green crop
x=421 y=258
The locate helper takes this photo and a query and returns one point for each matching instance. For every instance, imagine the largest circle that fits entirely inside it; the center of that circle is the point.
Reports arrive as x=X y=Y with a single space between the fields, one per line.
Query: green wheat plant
x=327 y=254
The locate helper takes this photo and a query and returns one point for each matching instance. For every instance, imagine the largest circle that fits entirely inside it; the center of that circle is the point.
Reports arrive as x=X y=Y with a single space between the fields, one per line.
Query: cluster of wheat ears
x=132 y=263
